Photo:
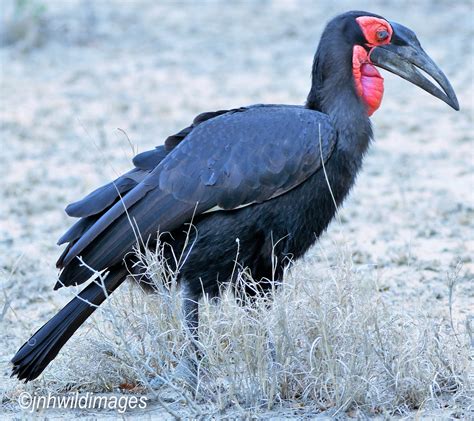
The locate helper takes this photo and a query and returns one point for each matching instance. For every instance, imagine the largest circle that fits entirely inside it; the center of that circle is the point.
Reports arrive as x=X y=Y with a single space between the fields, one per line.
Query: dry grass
x=324 y=342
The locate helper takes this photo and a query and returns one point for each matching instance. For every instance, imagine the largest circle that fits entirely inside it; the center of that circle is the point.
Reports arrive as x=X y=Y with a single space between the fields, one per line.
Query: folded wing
x=227 y=160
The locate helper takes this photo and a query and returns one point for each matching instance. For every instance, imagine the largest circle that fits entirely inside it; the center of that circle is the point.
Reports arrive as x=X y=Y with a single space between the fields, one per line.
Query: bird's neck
x=334 y=93
x=348 y=117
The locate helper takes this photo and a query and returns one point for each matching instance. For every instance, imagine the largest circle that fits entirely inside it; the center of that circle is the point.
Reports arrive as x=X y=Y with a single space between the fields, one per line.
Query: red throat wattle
x=367 y=79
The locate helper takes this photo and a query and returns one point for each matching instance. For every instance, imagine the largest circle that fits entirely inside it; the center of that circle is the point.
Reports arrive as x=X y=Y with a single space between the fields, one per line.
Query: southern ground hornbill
x=259 y=174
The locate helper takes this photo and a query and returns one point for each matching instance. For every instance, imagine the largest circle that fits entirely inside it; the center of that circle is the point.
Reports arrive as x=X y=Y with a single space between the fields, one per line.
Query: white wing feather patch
x=218 y=208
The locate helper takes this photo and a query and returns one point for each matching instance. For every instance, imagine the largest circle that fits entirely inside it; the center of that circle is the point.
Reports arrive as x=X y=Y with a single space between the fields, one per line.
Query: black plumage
x=270 y=176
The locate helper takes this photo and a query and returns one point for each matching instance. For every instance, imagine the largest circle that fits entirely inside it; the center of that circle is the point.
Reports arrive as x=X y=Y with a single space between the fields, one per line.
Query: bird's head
x=361 y=41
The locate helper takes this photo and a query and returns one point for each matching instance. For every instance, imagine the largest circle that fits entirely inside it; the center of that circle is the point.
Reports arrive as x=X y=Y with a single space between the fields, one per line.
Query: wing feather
x=235 y=158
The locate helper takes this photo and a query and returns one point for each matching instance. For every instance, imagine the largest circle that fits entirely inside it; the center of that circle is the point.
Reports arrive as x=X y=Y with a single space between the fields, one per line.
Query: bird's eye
x=382 y=34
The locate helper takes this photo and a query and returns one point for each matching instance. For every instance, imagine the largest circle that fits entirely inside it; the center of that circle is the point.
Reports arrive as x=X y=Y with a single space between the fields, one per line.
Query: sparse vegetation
x=327 y=343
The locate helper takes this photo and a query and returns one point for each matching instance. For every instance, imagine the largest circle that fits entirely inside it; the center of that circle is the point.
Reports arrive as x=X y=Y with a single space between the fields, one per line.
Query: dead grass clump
x=322 y=342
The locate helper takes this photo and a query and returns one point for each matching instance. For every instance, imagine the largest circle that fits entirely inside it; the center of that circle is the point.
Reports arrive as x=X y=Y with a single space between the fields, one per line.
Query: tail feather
x=35 y=355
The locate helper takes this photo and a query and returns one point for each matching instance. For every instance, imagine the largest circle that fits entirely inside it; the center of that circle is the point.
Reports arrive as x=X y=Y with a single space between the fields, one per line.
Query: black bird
x=259 y=174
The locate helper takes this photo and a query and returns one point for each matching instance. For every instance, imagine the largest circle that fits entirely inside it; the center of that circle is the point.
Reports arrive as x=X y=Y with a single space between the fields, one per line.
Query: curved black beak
x=404 y=55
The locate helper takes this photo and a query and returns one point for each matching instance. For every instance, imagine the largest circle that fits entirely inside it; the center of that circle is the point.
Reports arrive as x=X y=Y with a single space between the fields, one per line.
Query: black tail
x=34 y=356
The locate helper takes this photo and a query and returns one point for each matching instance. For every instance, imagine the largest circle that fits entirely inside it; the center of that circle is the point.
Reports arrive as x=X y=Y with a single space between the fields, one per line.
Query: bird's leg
x=187 y=368
x=191 y=317
x=186 y=371
x=270 y=341
x=267 y=305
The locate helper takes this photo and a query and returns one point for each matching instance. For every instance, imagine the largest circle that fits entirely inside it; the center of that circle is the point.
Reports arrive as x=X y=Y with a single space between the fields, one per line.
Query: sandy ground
x=150 y=68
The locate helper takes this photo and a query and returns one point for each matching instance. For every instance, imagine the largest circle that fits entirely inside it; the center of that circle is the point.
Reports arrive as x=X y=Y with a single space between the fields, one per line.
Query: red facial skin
x=367 y=79
x=371 y=26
